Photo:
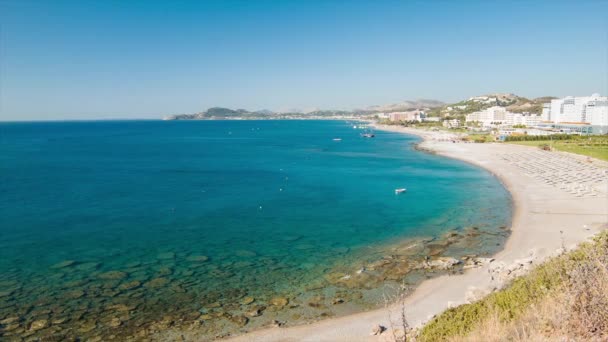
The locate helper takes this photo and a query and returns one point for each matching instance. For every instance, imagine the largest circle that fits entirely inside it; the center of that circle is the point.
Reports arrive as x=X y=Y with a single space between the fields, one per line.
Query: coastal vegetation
x=479 y=138
x=592 y=146
x=564 y=298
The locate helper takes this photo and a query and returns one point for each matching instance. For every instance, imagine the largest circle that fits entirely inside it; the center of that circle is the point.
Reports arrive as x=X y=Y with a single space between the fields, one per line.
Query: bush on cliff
x=564 y=298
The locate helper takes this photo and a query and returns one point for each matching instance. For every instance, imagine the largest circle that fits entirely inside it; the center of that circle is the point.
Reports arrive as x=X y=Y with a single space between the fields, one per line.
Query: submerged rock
x=472 y=231
x=247 y=300
x=279 y=301
x=59 y=320
x=114 y=322
x=316 y=302
x=120 y=307
x=450 y=234
x=163 y=271
x=133 y=264
x=9 y=327
x=243 y=264
x=442 y=263
x=245 y=253
x=338 y=301
x=110 y=293
x=63 y=264
x=9 y=320
x=276 y=324
x=113 y=275
x=214 y=305
x=39 y=324
x=129 y=285
x=6 y=293
x=435 y=249
x=166 y=256
x=74 y=283
x=341 y=250
x=88 y=266
x=198 y=258
x=334 y=277
x=157 y=282
x=240 y=320
x=177 y=289
x=87 y=326
x=75 y=294
x=257 y=311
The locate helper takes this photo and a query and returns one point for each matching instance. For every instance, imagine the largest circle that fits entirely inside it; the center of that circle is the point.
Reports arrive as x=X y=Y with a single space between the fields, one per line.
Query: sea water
x=107 y=227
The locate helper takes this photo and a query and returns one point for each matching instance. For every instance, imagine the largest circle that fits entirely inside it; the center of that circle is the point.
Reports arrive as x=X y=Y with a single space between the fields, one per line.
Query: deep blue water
x=264 y=200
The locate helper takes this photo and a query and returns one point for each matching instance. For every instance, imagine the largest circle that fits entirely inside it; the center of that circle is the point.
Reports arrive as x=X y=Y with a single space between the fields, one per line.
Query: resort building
x=580 y=128
x=546 y=113
x=523 y=119
x=483 y=99
x=406 y=116
x=578 y=109
x=488 y=117
x=597 y=113
x=498 y=116
x=454 y=123
x=504 y=132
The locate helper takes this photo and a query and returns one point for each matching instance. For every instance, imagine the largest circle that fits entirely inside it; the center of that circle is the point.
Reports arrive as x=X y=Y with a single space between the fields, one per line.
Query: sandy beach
x=547 y=216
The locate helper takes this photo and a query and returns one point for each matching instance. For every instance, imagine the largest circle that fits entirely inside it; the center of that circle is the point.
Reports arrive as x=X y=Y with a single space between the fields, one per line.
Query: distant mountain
x=264 y=112
x=217 y=113
x=220 y=113
x=405 y=105
x=224 y=112
x=512 y=102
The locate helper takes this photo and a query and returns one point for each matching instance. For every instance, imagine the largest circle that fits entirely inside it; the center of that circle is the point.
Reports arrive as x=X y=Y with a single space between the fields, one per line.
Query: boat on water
x=400 y=191
x=337 y=139
x=368 y=135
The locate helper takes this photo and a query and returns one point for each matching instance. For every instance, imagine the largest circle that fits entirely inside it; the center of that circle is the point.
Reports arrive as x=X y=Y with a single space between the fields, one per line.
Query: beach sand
x=541 y=211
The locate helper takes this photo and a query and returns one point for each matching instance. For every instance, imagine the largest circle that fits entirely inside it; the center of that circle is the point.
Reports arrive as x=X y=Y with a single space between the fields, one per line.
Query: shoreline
x=545 y=219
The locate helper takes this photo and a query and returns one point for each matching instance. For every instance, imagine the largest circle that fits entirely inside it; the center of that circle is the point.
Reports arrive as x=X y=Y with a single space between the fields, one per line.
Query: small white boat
x=337 y=139
x=400 y=191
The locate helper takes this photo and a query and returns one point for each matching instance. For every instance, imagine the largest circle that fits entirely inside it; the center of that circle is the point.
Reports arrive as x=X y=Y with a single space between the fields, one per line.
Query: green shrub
x=513 y=301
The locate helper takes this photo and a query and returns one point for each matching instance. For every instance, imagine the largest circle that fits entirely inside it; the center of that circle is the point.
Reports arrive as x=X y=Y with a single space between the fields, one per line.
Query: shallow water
x=108 y=227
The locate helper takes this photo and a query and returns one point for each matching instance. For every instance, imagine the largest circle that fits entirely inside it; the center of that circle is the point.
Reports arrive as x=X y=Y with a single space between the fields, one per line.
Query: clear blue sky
x=142 y=59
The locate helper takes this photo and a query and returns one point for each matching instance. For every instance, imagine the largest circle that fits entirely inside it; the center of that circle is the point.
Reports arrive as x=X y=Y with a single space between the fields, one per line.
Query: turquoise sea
x=117 y=228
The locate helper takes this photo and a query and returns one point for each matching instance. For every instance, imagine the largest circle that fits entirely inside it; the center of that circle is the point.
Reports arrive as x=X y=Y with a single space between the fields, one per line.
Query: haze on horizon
x=112 y=59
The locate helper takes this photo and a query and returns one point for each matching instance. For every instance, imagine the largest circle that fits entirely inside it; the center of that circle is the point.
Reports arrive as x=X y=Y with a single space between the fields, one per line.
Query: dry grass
x=575 y=309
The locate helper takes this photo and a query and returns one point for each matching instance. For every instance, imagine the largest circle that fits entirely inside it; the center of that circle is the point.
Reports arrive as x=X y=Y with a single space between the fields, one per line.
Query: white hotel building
x=498 y=116
x=591 y=110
